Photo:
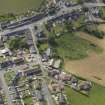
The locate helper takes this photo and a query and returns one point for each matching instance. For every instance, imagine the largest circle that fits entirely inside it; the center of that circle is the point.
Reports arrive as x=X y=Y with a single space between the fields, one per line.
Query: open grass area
x=96 y=96
x=1 y=59
x=18 y=6
x=42 y=47
x=92 y=67
x=73 y=47
x=59 y=28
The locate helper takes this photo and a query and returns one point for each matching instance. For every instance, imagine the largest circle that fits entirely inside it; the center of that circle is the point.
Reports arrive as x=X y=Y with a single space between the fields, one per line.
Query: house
x=5 y=24
x=85 y=86
x=5 y=38
x=56 y=87
x=31 y=71
x=57 y=64
x=30 y=42
x=44 y=58
x=6 y=64
x=32 y=50
x=41 y=36
x=28 y=36
x=51 y=61
x=1 y=85
x=65 y=77
x=62 y=100
x=53 y=73
x=5 y=52
x=74 y=80
x=1 y=42
x=23 y=67
x=48 y=52
x=18 y=61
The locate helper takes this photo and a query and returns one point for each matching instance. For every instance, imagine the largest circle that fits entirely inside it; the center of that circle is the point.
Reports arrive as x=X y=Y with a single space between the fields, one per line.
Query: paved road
x=47 y=94
x=44 y=85
x=90 y=5
x=5 y=87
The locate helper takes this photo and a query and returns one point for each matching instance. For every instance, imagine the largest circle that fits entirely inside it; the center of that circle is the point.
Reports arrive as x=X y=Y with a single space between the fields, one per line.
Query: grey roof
x=48 y=52
x=30 y=42
x=61 y=99
x=32 y=50
x=57 y=63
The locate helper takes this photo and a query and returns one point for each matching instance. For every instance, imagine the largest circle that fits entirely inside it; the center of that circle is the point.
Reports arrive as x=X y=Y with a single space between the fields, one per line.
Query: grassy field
x=92 y=67
x=73 y=47
x=18 y=6
x=96 y=96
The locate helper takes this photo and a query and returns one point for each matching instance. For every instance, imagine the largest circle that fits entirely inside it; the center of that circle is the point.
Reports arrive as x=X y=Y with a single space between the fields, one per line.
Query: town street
x=44 y=85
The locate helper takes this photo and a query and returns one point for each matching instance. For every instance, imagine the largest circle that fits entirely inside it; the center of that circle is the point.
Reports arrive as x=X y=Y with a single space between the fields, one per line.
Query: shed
x=86 y=86
x=57 y=64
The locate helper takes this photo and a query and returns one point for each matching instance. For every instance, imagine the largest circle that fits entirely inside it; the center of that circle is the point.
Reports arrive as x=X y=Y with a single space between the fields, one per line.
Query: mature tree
x=17 y=43
x=52 y=41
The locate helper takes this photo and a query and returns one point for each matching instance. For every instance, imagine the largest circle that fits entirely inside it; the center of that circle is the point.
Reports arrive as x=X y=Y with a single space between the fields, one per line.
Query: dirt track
x=92 y=67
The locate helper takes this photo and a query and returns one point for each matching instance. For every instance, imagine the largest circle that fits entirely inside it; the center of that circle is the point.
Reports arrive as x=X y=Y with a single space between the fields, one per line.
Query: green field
x=96 y=96
x=18 y=6
x=73 y=47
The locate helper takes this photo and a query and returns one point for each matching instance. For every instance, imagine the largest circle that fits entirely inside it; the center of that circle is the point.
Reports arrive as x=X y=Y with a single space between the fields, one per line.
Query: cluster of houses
x=61 y=79
x=57 y=90
x=29 y=71
x=26 y=90
x=70 y=80
x=49 y=61
x=15 y=57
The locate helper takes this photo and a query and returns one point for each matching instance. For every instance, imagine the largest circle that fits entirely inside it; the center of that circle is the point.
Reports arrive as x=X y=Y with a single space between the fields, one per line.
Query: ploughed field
x=18 y=6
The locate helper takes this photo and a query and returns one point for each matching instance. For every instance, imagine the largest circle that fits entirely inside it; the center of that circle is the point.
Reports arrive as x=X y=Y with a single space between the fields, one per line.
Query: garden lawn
x=96 y=96
x=28 y=100
x=9 y=75
x=42 y=47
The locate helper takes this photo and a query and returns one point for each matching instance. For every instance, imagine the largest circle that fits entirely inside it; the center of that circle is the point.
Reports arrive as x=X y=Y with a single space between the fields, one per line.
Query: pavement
x=44 y=86
x=91 y=5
